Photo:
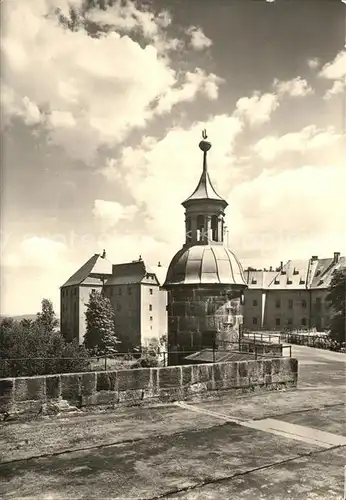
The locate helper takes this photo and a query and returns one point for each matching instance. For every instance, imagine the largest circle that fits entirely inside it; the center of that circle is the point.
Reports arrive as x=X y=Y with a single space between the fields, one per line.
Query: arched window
x=188 y=230
x=214 y=224
x=200 y=228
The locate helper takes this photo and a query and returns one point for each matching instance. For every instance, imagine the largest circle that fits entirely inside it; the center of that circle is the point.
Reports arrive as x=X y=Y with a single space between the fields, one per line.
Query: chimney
x=336 y=257
x=103 y=256
x=314 y=257
x=271 y=268
x=281 y=265
x=159 y=264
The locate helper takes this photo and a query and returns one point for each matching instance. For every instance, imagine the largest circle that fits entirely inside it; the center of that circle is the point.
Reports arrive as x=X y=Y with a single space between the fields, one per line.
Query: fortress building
x=205 y=280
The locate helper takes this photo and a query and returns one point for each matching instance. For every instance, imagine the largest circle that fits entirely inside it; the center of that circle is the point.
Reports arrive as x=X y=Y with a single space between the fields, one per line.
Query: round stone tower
x=205 y=280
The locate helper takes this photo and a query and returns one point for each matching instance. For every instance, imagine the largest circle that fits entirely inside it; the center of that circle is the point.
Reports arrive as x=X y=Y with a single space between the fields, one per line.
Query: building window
x=150 y=307
x=277 y=322
x=129 y=290
x=290 y=304
x=289 y=321
x=318 y=304
x=278 y=303
x=254 y=303
x=150 y=291
x=151 y=318
x=304 y=321
x=118 y=307
x=120 y=291
x=93 y=290
x=254 y=321
x=75 y=291
x=304 y=304
x=111 y=292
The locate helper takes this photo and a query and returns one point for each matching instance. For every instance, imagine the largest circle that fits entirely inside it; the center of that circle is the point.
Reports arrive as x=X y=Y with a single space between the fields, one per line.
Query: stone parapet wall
x=145 y=385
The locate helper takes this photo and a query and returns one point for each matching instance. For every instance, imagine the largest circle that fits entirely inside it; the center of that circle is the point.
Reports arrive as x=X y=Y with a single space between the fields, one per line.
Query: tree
x=337 y=297
x=32 y=350
x=100 y=335
x=47 y=318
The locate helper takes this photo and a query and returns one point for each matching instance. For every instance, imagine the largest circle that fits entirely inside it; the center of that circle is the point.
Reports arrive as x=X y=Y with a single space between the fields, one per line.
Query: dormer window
x=289 y=281
x=276 y=281
x=295 y=271
x=254 y=281
x=301 y=281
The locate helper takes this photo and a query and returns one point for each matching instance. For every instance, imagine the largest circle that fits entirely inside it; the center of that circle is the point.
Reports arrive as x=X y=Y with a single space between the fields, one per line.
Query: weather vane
x=204 y=134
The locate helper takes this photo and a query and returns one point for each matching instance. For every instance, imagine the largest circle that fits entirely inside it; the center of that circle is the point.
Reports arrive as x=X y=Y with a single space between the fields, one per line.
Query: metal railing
x=50 y=365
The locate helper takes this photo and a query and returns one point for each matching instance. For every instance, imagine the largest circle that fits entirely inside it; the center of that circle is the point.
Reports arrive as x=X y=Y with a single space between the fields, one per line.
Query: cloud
x=198 y=81
x=311 y=215
x=35 y=251
x=160 y=174
x=109 y=213
x=297 y=87
x=313 y=63
x=257 y=109
x=89 y=92
x=335 y=70
x=338 y=87
x=198 y=40
x=309 y=138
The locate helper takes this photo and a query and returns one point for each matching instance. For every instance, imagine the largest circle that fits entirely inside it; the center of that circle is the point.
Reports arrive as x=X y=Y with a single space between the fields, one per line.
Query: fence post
x=105 y=362
x=290 y=351
x=255 y=351
x=164 y=358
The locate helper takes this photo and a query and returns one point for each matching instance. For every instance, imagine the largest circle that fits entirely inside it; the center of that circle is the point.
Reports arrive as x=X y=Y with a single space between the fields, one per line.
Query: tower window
x=151 y=318
x=150 y=291
x=200 y=228
x=188 y=229
x=214 y=224
x=150 y=307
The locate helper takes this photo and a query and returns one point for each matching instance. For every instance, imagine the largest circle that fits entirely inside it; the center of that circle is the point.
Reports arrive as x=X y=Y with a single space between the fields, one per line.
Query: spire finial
x=204 y=146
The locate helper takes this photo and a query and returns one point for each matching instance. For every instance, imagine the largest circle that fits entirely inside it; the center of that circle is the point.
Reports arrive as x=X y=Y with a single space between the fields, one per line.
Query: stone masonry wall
x=197 y=309
x=41 y=394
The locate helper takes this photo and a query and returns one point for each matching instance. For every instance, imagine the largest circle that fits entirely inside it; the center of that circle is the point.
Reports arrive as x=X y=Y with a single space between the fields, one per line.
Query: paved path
x=278 y=445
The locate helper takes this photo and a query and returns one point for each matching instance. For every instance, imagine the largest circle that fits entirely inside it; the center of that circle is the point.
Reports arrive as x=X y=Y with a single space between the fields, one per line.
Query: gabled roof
x=131 y=273
x=296 y=275
x=95 y=267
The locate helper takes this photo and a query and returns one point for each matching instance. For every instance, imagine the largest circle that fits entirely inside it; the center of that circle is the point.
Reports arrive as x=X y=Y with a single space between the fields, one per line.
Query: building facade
x=293 y=296
x=134 y=291
x=205 y=280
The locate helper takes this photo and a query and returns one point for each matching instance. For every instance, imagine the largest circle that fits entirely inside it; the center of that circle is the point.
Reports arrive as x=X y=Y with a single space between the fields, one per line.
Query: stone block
x=205 y=373
x=6 y=394
x=170 y=376
x=255 y=372
x=243 y=369
x=53 y=386
x=268 y=379
x=276 y=366
x=197 y=388
x=132 y=396
x=267 y=367
x=71 y=387
x=88 y=383
x=106 y=397
x=30 y=389
x=133 y=379
x=187 y=374
x=106 y=381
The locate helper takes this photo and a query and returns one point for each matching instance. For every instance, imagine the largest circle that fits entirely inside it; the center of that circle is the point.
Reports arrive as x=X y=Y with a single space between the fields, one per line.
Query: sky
x=102 y=112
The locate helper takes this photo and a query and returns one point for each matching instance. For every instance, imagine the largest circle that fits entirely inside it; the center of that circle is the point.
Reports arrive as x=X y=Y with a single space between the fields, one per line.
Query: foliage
x=151 y=354
x=337 y=297
x=47 y=318
x=26 y=341
x=100 y=335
